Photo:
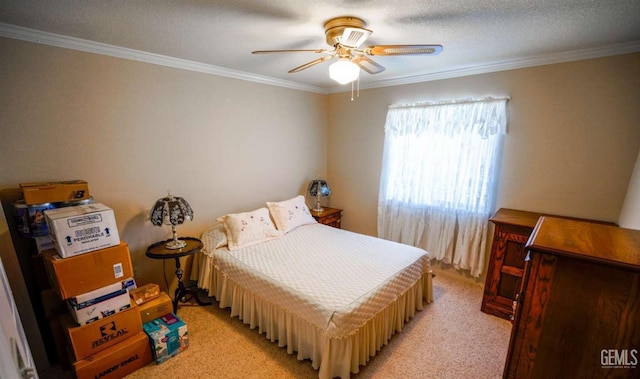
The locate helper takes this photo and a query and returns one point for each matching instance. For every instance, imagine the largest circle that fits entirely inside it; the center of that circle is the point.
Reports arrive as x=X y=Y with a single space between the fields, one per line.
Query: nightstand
x=329 y=216
x=159 y=251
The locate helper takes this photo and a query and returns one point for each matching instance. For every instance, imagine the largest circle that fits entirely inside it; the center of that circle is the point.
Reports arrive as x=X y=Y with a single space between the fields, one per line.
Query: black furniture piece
x=159 y=251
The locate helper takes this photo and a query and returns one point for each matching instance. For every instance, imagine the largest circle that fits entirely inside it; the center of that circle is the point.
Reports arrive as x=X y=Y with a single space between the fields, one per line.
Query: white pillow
x=215 y=237
x=290 y=214
x=249 y=228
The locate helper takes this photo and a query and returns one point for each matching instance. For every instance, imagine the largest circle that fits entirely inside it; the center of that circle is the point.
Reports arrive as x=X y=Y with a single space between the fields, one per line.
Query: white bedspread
x=334 y=279
x=328 y=295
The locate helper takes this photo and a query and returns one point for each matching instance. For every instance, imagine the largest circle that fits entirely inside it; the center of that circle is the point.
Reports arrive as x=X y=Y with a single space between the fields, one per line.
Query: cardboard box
x=168 y=336
x=92 y=338
x=116 y=361
x=101 y=307
x=155 y=308
x=81 y=229
x=145 y=293
x=87 y=272
x=128 y=284
x=54 y=192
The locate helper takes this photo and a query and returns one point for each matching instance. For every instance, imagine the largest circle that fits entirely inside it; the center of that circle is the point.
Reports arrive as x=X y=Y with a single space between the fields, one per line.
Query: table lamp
x=319 y=188
x=171 y=210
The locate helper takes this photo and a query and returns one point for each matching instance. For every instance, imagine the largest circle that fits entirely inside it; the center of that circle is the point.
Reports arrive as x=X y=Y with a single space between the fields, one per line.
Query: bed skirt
x=333 y=357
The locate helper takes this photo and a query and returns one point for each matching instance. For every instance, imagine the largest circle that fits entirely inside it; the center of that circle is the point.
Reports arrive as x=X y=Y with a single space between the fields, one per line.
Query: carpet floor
x=449 y=338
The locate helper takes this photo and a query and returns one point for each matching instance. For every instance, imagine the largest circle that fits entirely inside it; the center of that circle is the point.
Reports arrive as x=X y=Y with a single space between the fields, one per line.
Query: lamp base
x=175 y=244
x=318 y=209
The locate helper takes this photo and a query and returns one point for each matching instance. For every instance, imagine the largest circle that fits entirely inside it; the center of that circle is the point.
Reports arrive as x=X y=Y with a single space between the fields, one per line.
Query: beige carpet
x=449 y=338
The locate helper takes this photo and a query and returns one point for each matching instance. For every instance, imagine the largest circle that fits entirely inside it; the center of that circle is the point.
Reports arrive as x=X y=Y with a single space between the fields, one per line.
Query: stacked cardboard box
x=39 y=197
x=82 y=229
x=155 y=308
x=103 y=327
x=167 y=332
x=168 y=336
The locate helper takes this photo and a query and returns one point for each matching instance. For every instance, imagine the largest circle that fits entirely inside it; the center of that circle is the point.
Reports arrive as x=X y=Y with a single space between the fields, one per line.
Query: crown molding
x=562 y=57
x=37 y=36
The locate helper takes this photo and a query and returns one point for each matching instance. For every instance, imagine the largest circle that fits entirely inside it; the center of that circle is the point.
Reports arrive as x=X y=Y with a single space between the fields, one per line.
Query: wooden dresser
x=506 y=263
x=578 y=315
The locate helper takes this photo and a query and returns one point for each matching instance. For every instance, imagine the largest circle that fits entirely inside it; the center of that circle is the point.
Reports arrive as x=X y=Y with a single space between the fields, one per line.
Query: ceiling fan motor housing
x=334 y=31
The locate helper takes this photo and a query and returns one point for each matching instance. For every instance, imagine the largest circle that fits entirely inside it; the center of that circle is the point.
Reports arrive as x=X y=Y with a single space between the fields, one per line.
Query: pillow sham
x=215 y=237
x=249 y=228
x=290 y=214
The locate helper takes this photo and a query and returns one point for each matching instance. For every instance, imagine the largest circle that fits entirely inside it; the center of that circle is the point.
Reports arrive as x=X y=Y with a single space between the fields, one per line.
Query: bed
x=332 y=296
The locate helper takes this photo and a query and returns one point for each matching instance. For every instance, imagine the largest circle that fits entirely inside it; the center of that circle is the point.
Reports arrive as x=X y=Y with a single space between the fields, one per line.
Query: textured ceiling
x=477 y=35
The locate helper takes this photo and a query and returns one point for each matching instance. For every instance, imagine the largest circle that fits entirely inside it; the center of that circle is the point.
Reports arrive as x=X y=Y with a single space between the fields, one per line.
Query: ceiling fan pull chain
x=357 y=90
x=351 y=91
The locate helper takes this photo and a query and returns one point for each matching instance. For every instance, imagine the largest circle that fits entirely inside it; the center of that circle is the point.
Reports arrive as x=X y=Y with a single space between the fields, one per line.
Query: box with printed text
x=100 y=307
x=54 y=192
x=117 y=361
x=92 y=338
x=168 y=336
x=81 y=229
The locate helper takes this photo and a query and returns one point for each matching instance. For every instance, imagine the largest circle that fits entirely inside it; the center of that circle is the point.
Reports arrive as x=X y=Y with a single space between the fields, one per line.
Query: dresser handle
x=514 y=307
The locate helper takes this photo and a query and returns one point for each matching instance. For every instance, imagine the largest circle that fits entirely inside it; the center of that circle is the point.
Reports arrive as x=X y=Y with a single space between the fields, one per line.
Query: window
x=439 y=175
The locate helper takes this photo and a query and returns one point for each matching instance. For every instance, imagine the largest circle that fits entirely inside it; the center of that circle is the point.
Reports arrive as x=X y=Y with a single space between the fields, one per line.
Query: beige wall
x=135 y=130
x=572 y=141
x=573 y=138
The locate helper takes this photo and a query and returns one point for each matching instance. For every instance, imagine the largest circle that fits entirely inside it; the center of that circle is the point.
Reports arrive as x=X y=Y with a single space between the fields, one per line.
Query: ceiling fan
x=345 y=35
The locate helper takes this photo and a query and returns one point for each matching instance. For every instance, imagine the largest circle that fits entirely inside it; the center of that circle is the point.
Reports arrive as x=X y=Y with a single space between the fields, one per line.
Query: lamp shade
x=344 y=71
x=171 y=210
x=319 y=188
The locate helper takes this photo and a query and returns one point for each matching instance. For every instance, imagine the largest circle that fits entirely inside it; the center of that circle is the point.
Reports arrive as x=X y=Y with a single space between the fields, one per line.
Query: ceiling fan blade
x=290 y=51
x=403 y=50
x=367 y=64
x=309 y=64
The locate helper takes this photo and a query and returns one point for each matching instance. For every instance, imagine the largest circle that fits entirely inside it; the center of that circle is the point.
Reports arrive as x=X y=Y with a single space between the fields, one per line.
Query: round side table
x=159 y=251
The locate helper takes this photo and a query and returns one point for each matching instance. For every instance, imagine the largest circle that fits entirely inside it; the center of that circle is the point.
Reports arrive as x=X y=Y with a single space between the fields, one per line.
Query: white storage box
x=128 y=284
x=103 y=306
x=81 y=229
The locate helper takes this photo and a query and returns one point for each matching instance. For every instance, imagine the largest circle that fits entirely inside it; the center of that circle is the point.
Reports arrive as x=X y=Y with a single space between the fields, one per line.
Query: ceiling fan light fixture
x=344 y=71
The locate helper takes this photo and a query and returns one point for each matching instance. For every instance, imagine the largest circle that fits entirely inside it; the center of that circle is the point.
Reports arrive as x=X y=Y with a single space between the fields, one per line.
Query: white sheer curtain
x=439 y=175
